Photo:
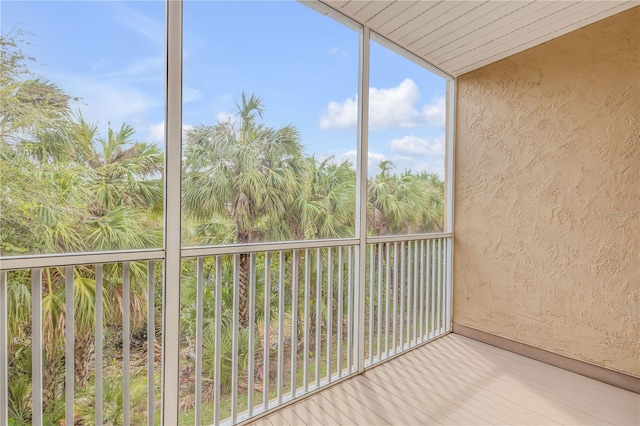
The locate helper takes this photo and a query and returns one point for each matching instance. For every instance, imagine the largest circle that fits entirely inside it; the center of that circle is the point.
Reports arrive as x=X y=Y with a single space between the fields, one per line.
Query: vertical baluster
x=387 y=298
x=340 y=319
x=294 y=322
x=307 y=289
x=402 y=284
x=36 y=345
x=266 y=347
x=445 y=251
x=217 y=362
x=443 y=271
x=395 y=296
x=349 y=310
x=449 y=260
x=151 y=334
x=415 y=292
x=281 y=308
x=126 y=343
x=379 y=331
x=444 y=284
x=372 y=275
x=318 y=348
x=99 y=312
x=409 y=282
x=252 y=331
x=440 y=284
x=433 y=288
x=329 y=332
x=199 y=338
x=427 y=292
x=4 y=350
x=421 y=332
x=69 y=352
x=235 y=338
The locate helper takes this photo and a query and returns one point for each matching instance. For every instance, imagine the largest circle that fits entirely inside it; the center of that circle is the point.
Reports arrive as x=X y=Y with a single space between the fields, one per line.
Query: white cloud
x=418 y=146
x=157 y=132
x=147 y=67
x=434 y=165
x=390 y=108
x=116 y=96
x=185 y=129
x=224 y=117
x=431 y=164
x=116 y=101
x=338 y=51
x=374 y=158
x=149 y=28
x=189 y=94
x=340 y=115
x=435 y=113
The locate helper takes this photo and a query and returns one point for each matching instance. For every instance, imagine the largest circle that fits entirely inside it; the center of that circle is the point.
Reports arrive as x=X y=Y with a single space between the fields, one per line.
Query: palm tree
x=114 y=184
x=91 y=193
x=104 y=193
x=385 y=210
x=247 y=173
x=325 y=207
x=405 y=203
x=122 y=171
x=433 y=194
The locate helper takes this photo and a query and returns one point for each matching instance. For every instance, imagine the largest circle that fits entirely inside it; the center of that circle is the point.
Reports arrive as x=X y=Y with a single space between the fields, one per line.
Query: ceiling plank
x=399 y=13
x=374 y=8
x=532 y=30
x=469 y=21
x=504 y=24
x=486 y=24
x=354 y=7
x=428 y=11
x=585 y=17
x=336 y=4
x=444 y=19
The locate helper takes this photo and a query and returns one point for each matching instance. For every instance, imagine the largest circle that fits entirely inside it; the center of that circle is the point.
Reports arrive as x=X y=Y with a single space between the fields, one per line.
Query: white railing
x=291 y=326
x=261 y=324
x=408 y=299
x=58 y=325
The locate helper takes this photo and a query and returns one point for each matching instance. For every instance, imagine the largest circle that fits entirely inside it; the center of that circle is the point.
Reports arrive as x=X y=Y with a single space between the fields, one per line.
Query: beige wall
x=547 y=202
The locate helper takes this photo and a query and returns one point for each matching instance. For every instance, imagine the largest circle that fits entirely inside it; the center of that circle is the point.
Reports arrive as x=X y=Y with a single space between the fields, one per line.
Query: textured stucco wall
x=547 y=202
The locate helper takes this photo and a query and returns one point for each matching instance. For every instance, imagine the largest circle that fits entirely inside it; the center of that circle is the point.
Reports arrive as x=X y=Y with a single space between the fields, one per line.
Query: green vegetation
x=67 y=188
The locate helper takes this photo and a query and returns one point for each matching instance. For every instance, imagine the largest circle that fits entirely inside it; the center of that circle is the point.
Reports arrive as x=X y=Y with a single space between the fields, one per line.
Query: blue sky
x=302 y=64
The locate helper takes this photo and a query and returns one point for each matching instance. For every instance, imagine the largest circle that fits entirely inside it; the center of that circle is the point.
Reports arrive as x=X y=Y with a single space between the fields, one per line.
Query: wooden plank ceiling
x=460 y=36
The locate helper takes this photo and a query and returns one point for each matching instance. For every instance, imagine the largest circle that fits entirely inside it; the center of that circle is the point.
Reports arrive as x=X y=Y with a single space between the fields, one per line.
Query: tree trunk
x=83 y=347
x=300 y=318
x=51 y=376
x=243 y=281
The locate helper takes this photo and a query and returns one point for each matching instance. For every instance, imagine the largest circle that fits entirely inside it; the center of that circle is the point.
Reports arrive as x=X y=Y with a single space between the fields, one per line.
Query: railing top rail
x=67 y=259
x=262 y=247
x=413 y=237
x=70 y=259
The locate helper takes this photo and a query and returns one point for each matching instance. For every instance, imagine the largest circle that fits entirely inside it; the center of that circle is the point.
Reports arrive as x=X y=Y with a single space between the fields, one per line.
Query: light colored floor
x=459 y=381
